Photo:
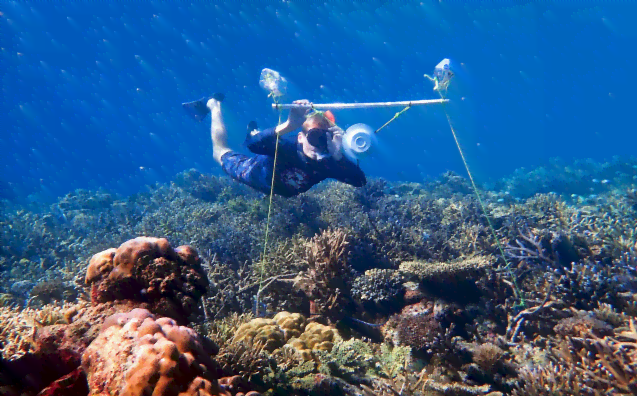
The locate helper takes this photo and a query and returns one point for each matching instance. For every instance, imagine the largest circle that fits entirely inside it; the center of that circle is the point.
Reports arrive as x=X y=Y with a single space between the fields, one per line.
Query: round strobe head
x=358 y=139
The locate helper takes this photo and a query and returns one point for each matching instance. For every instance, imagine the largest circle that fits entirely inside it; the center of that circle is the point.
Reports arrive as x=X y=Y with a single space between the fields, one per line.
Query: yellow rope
x=484 y=210
x=394 y=117
x=267 y=224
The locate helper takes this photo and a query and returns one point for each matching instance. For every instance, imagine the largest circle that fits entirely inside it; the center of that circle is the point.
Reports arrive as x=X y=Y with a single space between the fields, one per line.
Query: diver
x=314 y=156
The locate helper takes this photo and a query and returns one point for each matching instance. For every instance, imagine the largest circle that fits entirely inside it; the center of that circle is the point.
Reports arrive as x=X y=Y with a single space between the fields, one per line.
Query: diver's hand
x=336 y=130
x=298 y=114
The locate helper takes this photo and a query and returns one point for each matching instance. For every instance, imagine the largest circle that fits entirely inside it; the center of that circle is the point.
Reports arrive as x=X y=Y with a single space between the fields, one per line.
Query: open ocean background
x=91 y=91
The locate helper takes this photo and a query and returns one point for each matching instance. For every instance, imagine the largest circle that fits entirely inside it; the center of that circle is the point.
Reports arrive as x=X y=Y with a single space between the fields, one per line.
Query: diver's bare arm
x=295 y=118
x=284 y=128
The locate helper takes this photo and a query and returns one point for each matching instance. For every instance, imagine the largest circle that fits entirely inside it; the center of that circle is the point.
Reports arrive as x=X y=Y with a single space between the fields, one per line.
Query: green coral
x=393 y=360
x=443 y=271
x=347 y=359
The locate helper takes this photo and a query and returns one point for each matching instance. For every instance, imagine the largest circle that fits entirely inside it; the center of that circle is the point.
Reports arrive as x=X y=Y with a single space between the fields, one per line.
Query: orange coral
x=136 y=354
x=149 y=270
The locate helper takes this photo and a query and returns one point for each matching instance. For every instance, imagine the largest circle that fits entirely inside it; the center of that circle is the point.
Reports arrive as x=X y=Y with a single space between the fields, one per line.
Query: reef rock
x=149 y=270
x=137 y=354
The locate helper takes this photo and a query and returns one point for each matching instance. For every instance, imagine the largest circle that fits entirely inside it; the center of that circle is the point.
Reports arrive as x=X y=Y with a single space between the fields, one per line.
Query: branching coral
x=326 y=281
x=348 y=360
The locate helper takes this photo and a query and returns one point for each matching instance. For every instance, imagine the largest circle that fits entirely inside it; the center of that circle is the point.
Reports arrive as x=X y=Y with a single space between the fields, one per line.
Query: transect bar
x=326 y=106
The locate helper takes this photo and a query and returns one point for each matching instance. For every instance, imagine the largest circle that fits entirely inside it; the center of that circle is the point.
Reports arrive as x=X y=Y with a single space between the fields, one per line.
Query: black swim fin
x=198 y=109
x=252 y=125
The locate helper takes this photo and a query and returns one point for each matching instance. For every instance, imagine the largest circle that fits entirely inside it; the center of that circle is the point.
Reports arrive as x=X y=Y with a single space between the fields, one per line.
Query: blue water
x=91 y=91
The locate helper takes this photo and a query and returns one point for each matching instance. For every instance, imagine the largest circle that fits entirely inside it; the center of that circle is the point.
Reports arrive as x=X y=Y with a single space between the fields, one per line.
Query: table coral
x=441 y=272
x=149 y=270
x=136 y=354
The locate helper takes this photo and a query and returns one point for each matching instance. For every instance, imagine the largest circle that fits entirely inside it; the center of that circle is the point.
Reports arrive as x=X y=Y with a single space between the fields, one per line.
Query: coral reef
x=327 y=281
x=379 y=290
x=442 y=272
x=410 y=274
x=149 y=270
x=135 y=354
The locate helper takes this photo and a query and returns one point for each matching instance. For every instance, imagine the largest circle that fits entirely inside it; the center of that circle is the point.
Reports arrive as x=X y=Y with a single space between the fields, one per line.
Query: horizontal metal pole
x=327 y=106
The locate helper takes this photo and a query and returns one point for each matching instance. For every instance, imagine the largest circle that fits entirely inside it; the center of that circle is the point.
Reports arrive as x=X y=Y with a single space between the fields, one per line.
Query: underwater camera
x=357 y=140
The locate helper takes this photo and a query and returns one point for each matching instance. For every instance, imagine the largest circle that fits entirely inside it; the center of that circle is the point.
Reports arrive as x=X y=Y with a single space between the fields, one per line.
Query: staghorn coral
x=458 y=389
x=589 y=366
x=149 y=269
x=606 y=313
x=326 y=281
x=137 y=354
x=552 y=380
x=391 y=223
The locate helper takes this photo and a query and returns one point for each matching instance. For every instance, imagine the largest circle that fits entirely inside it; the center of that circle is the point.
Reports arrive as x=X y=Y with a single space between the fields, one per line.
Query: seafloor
x=390 y=289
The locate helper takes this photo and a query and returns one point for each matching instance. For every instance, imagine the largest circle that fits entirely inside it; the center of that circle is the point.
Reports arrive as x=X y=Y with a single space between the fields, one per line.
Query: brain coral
x=136 y=354
x=291 y=329
x=264 y=332
x=149 y=270
x=315 y=337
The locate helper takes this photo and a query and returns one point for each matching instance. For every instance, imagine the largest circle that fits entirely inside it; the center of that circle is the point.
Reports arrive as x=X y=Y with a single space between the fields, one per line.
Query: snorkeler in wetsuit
x=314 y=156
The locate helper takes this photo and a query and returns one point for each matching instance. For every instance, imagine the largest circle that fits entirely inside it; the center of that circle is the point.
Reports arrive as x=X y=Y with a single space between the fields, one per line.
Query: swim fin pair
x=198 y=109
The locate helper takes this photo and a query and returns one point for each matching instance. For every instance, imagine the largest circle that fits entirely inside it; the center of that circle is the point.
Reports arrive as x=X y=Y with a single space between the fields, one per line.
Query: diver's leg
x=218 y=131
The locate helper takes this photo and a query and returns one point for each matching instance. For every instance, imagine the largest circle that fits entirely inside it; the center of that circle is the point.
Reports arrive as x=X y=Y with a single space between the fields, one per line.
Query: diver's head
x=317 y=141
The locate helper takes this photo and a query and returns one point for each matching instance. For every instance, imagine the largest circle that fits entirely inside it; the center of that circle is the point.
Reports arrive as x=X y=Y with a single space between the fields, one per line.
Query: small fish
x=595 y=181
x=605 y=181
x=263 y=309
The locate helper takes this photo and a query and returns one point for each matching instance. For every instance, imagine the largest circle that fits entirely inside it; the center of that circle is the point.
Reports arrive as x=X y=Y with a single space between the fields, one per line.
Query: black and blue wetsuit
x=295 y=172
